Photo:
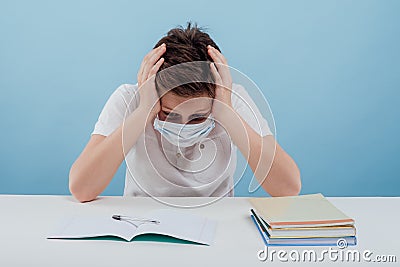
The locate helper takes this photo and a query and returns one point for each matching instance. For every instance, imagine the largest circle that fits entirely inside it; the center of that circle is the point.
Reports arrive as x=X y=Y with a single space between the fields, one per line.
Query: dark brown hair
x=186 y=45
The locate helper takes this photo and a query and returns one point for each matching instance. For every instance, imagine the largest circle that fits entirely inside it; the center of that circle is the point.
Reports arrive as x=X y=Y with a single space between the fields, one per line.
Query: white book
x=177 y=224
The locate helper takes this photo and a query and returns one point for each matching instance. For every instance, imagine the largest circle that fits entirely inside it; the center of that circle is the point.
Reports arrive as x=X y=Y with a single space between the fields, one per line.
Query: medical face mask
x=184 y=135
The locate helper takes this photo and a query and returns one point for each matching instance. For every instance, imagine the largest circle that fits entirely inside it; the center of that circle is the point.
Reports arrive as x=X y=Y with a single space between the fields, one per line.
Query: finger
x=145 y=60
x=224 y=72
x=222 y=67
x=151 y=61
x=156 y=67
x=151 y=53
x=217 y=77
x=217 y=54
x=214 y=56
x=218 y=58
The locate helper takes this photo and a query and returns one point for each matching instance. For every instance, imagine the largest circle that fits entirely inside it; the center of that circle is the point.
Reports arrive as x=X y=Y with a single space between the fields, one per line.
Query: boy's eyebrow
x=169 y=110
x=196 y=116
x=201 y=112
x=171 y=113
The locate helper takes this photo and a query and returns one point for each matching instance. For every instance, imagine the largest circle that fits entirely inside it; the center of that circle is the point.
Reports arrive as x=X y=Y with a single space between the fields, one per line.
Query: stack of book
x=306 y=220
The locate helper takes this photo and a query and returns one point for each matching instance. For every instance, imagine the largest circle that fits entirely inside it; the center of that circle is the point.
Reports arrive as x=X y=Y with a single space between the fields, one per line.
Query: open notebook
x=176 y=224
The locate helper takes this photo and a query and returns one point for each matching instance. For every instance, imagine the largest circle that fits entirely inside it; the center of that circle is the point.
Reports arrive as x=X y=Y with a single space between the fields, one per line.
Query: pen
x=127 y=218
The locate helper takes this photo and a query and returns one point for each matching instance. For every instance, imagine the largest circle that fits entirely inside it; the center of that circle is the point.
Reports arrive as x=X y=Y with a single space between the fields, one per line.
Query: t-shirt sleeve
x=121 y=102
x=248 y=110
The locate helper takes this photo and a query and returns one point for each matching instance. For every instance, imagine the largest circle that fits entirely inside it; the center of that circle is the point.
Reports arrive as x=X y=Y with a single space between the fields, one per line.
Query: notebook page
x=93 y=226
x=180 y=224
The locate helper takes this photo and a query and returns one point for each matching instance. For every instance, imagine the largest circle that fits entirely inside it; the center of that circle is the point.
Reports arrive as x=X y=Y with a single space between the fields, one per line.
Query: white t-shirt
x=159 y=169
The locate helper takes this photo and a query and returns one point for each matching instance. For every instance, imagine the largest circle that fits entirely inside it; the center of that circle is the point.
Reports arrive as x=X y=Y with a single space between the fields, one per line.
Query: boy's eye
x=197 y=119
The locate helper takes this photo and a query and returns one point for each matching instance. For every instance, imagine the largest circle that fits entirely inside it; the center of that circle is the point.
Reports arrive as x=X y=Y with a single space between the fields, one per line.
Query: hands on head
x=149 y=98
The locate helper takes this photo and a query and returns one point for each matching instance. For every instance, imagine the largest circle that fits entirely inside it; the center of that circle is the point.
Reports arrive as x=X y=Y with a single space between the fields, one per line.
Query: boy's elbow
x=76 y=189
x=291 y=187
x=295 y=190
x=80 y=194
x=295 y=186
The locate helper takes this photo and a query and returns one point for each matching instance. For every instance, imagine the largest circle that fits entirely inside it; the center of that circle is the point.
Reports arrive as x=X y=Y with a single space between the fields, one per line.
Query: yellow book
x=312 y=210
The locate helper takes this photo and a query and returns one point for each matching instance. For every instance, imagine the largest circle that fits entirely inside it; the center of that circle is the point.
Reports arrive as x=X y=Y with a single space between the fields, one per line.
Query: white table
x=25 y=221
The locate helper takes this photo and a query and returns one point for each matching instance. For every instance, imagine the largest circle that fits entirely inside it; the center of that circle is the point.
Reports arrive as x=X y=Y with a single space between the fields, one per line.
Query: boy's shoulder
x=127 y=89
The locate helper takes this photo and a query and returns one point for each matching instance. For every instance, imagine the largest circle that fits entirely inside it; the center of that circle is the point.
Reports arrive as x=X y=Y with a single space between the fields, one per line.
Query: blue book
x=340 y=242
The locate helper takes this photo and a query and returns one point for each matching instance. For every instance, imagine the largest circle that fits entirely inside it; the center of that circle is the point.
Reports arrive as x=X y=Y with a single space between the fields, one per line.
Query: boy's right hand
x=149 y=99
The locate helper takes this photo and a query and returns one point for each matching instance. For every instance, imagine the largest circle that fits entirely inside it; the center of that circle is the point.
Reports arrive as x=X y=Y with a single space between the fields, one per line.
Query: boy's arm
x=274 y=169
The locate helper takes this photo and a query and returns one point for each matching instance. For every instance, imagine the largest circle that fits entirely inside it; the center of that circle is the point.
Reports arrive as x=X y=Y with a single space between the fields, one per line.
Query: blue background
x=330 y=70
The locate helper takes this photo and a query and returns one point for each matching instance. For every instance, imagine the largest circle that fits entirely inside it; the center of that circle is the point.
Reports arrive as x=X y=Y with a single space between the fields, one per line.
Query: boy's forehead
x=172 y=101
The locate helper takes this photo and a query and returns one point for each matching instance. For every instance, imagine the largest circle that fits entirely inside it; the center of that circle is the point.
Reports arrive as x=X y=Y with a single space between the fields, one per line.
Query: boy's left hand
x=223 y=81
